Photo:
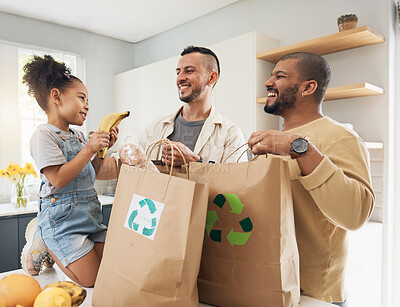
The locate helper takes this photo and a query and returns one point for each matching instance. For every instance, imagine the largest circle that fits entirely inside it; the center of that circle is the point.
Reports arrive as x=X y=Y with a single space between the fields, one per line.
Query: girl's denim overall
x=71 y=220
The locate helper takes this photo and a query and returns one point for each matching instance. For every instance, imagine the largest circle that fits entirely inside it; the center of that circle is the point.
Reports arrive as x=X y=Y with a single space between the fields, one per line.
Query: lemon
x=53 y=297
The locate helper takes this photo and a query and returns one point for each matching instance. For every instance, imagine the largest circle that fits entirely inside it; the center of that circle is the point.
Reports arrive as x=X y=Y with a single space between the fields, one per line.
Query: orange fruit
x=18 y=289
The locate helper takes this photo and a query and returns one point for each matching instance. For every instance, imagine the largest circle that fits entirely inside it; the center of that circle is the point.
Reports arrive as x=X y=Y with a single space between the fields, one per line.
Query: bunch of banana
x=107 y=123
x=77 y=293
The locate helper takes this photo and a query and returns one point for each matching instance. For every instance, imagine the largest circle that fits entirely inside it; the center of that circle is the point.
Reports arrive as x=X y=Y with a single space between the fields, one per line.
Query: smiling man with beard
x=329 y=171
x=200 y=132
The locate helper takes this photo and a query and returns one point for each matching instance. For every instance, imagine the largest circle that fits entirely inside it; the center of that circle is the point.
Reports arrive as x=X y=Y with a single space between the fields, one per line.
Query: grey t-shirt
x=186 y=132
x=45 y=147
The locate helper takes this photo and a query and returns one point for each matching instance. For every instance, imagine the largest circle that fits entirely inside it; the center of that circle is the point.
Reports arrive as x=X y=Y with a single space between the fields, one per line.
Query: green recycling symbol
x=151 y=209
x=234 y=238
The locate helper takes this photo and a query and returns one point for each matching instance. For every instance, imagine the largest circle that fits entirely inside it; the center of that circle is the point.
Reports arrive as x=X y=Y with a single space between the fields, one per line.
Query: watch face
x=299 y=145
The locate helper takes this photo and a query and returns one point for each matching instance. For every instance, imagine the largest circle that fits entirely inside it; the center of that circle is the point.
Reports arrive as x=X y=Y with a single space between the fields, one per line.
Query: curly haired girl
x=68 y=228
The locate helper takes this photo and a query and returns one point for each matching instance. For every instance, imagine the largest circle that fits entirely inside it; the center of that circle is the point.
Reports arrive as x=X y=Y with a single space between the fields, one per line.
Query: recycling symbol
x=234 y=238
x=144 y=217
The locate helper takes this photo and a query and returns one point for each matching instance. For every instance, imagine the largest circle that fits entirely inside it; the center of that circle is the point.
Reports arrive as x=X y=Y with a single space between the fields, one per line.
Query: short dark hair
x=203 y=50
x=312 y=67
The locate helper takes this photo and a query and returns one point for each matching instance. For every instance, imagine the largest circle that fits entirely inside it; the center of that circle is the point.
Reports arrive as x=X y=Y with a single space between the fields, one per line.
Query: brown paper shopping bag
x=154 y=241
x=250 y=255
x=179 y=171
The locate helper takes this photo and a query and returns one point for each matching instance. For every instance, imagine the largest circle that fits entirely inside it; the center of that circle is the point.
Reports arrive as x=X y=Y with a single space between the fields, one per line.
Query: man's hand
x=271 y=141
x=280 y=143
x=189 y=155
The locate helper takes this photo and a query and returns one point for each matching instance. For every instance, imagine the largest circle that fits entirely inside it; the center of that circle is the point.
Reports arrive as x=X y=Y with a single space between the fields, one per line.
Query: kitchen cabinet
x=8 y=243
x=12 y=237
x=23 y=221
x=106 y=214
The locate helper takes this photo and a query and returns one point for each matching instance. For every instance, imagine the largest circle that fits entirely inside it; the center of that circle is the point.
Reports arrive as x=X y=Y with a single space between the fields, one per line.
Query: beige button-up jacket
x=218 y=138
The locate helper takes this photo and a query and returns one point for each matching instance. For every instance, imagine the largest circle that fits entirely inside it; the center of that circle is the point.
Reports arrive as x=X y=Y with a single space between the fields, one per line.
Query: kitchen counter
x=8 y=209
x=55 y=274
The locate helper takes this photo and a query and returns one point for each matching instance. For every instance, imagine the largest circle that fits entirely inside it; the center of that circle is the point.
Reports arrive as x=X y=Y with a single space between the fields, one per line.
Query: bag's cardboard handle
x=173 y=146
x=231 y=154
x=237 y=161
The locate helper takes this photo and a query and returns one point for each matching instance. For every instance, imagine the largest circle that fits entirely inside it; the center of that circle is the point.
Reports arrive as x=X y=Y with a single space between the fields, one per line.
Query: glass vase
x=19 y=196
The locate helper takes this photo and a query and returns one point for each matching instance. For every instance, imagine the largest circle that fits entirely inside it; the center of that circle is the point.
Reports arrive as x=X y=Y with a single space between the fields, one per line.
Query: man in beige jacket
x=200 y=132
x=329 y=170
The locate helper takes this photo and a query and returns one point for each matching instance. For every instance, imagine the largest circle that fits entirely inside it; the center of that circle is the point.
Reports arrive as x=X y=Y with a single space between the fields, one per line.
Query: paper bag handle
x=231 y=154
x=158 y=144
x=237 y=161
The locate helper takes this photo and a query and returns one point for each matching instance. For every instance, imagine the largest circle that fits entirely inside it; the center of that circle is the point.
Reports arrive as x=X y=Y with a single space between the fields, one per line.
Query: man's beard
x=196 y=92
x=284 y=102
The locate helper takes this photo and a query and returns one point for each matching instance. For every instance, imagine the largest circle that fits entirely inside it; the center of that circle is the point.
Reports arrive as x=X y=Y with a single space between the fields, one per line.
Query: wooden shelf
x=346 y=91
x=352 y=91
x=374 y=145
x=349 y=39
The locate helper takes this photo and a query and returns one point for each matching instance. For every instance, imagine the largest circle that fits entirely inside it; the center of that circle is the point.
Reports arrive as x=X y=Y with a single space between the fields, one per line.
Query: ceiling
x=129 y=20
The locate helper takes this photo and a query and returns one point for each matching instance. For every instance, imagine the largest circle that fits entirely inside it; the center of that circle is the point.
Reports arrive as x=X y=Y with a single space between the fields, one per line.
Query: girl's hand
x=98 y=140
x=114 y=136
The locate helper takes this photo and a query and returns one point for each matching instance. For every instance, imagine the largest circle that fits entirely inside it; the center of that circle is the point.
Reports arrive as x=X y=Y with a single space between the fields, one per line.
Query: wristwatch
x=299 y=146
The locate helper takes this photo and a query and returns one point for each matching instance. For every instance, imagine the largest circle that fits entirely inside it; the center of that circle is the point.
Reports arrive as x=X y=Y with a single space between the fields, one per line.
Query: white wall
x=9 y=114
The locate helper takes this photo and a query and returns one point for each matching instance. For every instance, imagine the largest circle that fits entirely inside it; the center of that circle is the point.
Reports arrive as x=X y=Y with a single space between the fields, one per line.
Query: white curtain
x=10 y=134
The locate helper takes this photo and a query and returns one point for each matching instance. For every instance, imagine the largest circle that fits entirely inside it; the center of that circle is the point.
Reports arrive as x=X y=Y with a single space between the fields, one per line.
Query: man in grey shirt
x=186 y=131
x=197 y=129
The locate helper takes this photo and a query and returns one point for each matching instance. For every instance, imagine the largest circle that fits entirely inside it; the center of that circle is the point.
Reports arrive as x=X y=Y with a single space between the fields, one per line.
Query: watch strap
x=293 y=154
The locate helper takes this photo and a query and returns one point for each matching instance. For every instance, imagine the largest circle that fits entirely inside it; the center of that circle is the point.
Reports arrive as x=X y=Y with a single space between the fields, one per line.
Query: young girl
x=69 y=220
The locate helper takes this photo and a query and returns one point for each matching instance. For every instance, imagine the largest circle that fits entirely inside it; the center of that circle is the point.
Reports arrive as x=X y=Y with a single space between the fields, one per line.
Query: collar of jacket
x=214 y=117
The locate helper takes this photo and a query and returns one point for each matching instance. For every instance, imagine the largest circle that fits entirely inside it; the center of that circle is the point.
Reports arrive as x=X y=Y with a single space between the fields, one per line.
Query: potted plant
x=347 y=22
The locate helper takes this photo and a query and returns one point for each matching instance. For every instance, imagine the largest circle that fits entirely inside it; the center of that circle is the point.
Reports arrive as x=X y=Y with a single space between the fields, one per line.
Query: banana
x=77 y=293
x=107 y=123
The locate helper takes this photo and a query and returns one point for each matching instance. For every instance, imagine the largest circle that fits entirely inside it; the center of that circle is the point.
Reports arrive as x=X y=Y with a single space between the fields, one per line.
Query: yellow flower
x=16 y=173
x=13 y=169
x=3 y=173
x=8 y=169
x=30 y=170
x=17 y=168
